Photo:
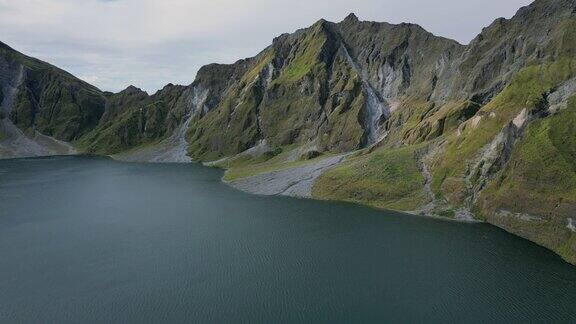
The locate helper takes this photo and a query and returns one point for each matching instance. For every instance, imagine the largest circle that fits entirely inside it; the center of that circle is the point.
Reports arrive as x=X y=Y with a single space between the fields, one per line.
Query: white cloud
x=149 y=43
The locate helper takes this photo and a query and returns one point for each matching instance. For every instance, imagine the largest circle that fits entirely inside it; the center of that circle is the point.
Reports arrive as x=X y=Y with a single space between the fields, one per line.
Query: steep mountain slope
x=330 y=87
x=140 y=127
x=42 y=106
x=134 y=118
x=505 y=155
x=380 y=114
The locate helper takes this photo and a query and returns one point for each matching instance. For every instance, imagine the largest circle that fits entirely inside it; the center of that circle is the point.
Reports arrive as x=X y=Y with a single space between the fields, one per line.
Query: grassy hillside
x=535 y=195
x=388 y=179
x=134 y=119
x=452 y=176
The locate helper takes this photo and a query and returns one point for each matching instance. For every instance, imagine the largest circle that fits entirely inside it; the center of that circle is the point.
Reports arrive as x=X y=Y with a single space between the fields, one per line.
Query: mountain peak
x=351 y=18
x=320 y=22
x=131 y=90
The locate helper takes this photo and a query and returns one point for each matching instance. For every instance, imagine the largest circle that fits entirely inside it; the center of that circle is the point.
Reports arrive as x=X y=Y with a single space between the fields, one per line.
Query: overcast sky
x=149 y=43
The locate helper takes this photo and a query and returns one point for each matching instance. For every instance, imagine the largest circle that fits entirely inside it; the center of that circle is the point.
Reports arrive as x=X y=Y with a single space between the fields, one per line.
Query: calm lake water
x=93 y=240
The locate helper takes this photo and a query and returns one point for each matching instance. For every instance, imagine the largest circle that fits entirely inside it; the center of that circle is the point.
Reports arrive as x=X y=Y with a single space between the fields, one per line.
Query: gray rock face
x=571 y=225
x=376 y=110
x=508 y=45
x=398 y=59
x=173 y=149
x=10 y=80
x=558 y=100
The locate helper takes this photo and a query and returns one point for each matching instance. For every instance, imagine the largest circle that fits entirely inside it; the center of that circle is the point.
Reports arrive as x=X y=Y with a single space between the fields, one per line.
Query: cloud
x=149 y=43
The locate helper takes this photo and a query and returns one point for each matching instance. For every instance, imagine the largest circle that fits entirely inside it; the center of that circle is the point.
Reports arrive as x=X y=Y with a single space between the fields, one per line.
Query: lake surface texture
x=94 y=240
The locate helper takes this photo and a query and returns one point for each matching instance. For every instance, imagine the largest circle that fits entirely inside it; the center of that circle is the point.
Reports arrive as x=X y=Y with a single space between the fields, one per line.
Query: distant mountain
x=386 y=115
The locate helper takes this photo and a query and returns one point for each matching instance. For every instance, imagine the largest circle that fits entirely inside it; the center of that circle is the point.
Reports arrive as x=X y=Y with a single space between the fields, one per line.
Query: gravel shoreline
x=294 y=182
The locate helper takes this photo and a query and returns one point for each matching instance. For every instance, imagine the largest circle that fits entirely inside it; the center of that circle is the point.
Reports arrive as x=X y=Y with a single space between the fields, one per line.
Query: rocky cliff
x=380 y=114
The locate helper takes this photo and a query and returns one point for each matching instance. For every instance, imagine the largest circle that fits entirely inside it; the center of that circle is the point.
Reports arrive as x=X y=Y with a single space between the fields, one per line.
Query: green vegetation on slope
x=539 y=181
x=123 y=133
x=344 y=106
x=307 y=57
x=133 y=120
x=229 y=129
x=420 y=120
x=384 y=178
x=276 y=160
x=526 y=91
x=51 y=100
x=62 y=110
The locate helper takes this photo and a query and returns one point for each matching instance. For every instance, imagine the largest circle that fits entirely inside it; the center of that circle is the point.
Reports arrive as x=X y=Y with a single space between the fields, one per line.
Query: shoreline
x=231 y=184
